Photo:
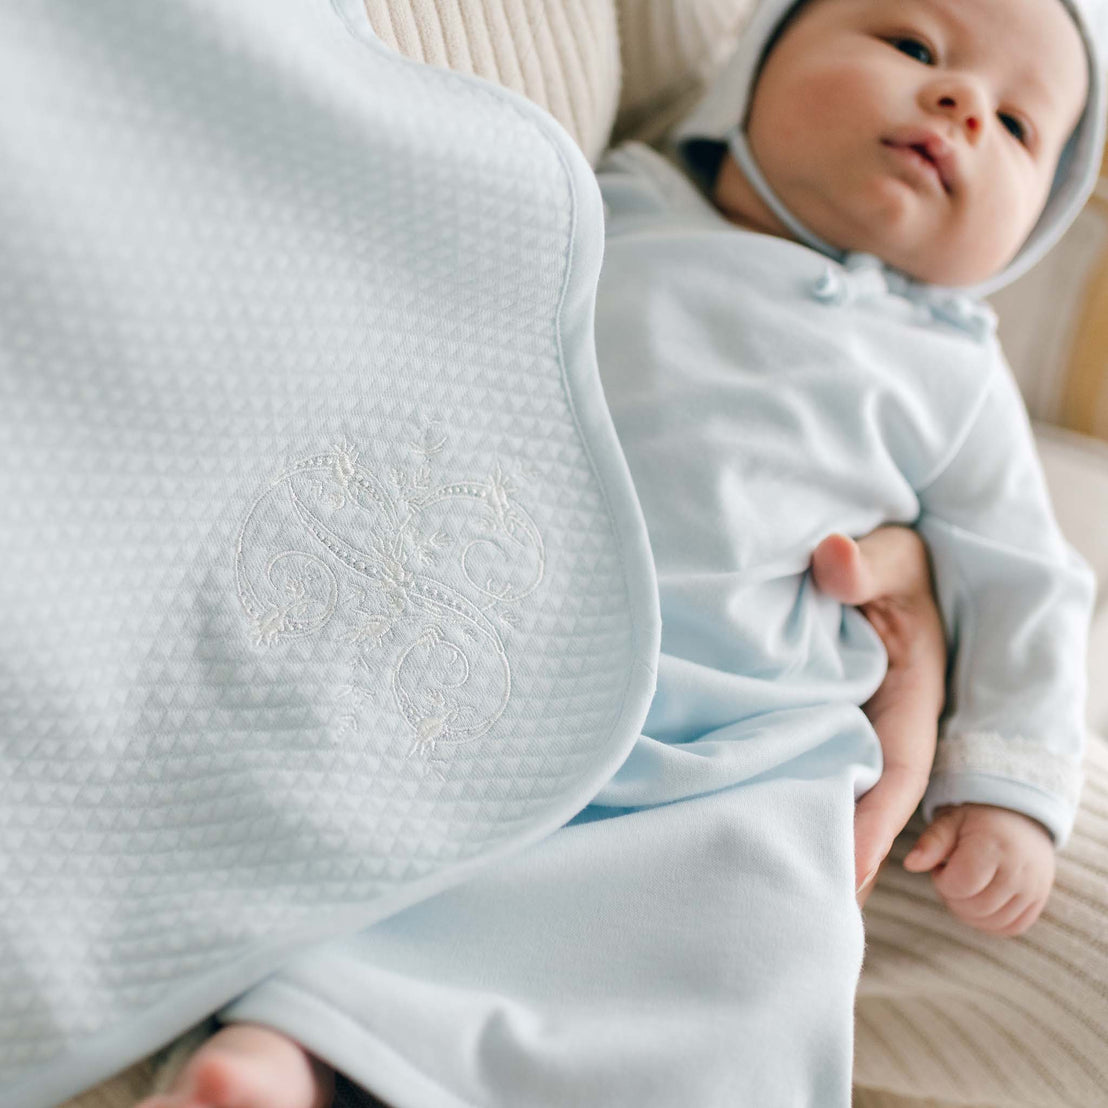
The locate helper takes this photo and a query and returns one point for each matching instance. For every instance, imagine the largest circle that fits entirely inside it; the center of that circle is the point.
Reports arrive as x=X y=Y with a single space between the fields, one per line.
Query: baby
x=785 y=356
x=917 y=143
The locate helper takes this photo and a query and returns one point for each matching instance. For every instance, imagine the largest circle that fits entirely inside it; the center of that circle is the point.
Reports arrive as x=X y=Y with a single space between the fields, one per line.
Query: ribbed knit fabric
x=122 y=1091
x=949 y=1016
x=670 y=49
x=564 y=56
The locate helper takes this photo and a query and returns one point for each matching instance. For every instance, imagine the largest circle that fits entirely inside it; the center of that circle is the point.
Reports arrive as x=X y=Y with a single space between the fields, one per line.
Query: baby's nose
x=961 y=100
x=970 y=120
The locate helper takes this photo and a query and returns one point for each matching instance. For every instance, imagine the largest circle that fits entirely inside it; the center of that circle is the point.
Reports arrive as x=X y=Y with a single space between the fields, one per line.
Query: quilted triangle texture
x=323 y=579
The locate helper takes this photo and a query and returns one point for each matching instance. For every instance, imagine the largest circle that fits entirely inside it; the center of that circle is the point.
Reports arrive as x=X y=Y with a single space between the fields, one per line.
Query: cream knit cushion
x=1054 y=322
x=564 y=56
x=122 y=1091
x=670 y=49
x=949 y=1016
x=1076 y=468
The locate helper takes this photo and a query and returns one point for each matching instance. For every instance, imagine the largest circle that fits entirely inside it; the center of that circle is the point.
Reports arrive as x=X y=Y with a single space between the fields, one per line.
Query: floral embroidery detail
x=419 y=581
x=303 y=596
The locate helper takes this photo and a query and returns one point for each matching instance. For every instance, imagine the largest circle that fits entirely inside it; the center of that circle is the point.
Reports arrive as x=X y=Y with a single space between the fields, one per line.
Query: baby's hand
x=993 y=867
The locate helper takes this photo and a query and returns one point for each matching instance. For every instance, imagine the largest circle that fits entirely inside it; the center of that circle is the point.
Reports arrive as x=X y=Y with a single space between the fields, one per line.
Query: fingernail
x=868 y=878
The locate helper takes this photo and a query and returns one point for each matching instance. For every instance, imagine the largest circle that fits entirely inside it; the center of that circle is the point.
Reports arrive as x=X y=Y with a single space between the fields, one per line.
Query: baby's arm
x=1016 y=602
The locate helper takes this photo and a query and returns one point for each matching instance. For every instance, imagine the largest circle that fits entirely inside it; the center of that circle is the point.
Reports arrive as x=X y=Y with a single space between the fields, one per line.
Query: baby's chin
x=930 y=263
x=944 y=271
x=890 y=228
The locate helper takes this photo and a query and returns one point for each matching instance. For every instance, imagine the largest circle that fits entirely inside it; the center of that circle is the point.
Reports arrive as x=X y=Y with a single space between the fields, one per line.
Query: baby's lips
x=933 y=146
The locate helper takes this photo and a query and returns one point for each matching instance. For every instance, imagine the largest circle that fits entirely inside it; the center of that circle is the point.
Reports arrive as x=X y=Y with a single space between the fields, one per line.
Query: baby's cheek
x=795 y=108
x=849 y=98
x=994 y=223
x=968 y=247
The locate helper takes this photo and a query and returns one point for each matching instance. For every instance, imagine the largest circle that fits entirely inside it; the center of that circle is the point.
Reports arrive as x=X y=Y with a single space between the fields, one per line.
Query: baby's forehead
x=969 y=19
x=1036 y=45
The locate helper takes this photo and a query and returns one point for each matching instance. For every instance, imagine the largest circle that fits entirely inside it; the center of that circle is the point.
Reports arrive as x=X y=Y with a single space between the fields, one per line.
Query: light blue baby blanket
x=324 y=585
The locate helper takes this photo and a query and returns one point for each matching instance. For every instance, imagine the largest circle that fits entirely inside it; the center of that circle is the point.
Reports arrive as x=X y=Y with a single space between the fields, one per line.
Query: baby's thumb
x=935 y=845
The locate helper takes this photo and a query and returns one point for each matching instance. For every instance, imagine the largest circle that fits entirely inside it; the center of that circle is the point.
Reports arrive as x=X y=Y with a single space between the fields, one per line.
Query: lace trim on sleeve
x=1014 y=757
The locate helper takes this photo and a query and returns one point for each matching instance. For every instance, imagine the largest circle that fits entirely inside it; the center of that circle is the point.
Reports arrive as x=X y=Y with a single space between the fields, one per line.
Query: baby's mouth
x=930 y=153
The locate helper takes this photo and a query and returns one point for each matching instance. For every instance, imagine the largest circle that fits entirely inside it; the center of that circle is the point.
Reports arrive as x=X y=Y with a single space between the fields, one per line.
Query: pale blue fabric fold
x=703 y=952
x=323 y=578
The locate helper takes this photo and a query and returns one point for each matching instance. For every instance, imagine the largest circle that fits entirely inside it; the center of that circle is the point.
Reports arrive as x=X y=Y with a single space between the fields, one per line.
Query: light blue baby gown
x=765 y=397
x=692 y=937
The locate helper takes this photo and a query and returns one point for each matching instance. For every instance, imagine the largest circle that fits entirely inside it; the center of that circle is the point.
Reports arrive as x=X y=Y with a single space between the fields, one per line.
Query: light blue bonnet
x=715 y=118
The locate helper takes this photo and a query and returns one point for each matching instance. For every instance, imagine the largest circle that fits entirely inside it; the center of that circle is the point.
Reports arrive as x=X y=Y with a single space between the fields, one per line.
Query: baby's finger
x=995 y=922
x=995 y=898
x=966 y=874
x=1024 y=920
x=934 y=845
x=991 y=909
x=1012 y=908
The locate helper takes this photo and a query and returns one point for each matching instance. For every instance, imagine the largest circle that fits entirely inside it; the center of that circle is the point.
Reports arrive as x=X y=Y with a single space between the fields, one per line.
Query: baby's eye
x=914 y=49
x=1014 y=126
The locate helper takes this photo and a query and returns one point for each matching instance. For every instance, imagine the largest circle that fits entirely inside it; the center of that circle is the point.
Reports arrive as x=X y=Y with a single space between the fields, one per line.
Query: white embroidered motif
x=416 y=579
x=1017 y=758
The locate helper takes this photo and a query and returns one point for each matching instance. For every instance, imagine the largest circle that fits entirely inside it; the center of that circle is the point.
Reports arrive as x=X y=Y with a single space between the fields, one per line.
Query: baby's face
x=925 y=132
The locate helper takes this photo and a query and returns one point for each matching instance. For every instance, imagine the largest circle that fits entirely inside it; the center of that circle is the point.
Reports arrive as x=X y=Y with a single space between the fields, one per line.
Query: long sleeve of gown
x=1016 y=601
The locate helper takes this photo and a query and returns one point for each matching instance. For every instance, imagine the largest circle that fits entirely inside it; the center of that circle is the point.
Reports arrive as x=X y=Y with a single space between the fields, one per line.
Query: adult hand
x=887 y=575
